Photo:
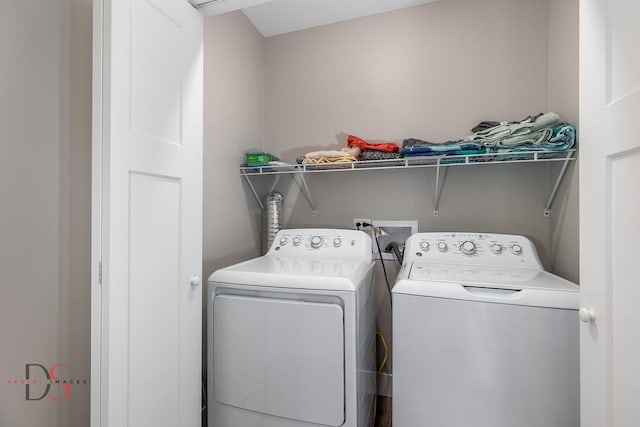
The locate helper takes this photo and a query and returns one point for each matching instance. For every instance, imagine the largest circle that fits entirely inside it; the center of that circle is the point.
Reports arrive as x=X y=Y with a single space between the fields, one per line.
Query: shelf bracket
x=436 y=201
x=552 y=196
x=307 y=192
x=253 y=190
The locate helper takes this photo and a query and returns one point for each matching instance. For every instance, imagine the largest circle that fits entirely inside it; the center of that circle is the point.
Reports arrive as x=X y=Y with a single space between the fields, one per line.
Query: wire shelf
x=437 y=162
x=414 y=162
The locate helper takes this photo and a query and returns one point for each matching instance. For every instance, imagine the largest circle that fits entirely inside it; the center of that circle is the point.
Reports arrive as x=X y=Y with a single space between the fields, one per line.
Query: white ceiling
x=273 y=17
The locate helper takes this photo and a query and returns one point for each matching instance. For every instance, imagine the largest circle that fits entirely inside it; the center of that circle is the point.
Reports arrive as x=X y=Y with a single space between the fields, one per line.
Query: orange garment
x=388 y=147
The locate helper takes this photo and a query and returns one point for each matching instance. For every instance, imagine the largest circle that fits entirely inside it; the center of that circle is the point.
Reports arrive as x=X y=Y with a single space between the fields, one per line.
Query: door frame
x=96 y=213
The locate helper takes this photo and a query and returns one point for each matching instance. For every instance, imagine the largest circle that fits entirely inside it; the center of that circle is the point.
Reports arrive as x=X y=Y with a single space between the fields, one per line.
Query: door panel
x=156 y=107
x=280 y=357
x=154 y=301
x=609 y=210
x=623 y=290
x=469 y=363
x=147 y=213
x=623 y=68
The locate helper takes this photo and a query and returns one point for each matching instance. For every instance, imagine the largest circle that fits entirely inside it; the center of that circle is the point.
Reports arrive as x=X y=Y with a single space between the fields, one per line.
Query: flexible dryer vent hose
x=272 y=220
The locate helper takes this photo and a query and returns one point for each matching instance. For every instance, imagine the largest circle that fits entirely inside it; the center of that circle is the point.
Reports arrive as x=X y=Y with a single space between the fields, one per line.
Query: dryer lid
x=297 y=272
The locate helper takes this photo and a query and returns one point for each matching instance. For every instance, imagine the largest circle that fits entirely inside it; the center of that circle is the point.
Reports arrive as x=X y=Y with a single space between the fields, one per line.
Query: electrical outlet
x=388 y=232
x=357 y=224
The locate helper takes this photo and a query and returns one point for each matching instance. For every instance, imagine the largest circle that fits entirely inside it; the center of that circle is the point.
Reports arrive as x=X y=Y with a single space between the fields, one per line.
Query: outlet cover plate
x=388 y=231
x=361 y=220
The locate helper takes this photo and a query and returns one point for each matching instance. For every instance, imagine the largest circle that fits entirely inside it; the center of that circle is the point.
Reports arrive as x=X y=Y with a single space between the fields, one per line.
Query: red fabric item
x=387 y=147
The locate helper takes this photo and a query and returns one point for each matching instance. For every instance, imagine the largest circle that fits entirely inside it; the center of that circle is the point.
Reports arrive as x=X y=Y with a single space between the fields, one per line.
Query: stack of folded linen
x=374 y=151
x=358 y=149
x=544 y=132
x=418 y=147
x=349 y=154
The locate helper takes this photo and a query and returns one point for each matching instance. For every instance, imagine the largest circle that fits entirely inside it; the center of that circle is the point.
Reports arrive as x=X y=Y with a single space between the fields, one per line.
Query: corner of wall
x=563 y=99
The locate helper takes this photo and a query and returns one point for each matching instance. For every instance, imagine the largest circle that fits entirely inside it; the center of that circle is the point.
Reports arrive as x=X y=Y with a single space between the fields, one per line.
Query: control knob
x=283 y=241
x=316 y=242
x=468 y=247
x=424 y=246
x=496 y=248
x=337 y=242
x=296 y=241
x=442 y=247
x=516 y=249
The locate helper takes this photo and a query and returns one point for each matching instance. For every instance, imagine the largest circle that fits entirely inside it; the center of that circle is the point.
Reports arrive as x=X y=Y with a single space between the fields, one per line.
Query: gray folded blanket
x=529 y=131
x=378 y=155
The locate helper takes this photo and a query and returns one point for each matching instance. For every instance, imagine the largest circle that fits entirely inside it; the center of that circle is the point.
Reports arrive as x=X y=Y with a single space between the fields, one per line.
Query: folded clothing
x=378 y=155
x=331 y=156
x=535 y=133
x=418 y=147
x=486 y=125
x=388 y=147
x=532 y=130
x=561 y=137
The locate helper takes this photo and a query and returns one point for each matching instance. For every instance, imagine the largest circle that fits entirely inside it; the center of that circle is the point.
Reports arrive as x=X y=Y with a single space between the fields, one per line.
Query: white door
x=147 y=210
x=610 y=211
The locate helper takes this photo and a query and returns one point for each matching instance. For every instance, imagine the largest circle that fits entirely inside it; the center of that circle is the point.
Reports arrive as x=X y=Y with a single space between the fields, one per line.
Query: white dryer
x=291 y=338
x=483 y=336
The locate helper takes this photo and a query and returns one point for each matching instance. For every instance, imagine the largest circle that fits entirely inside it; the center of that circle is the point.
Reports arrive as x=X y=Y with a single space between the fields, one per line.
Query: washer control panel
x=472 y=248
x=322 y=242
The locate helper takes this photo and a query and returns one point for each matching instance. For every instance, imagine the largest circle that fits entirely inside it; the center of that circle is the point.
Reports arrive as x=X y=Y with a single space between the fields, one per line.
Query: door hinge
x=100 y=272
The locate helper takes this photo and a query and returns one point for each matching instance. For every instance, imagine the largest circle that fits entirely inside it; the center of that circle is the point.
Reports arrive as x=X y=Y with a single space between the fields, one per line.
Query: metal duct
x=272 y=220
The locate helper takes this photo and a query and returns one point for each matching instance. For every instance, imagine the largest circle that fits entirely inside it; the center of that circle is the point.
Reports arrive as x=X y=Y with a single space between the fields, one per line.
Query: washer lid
x=519 y=286
x=296 y=272
x=490 y=276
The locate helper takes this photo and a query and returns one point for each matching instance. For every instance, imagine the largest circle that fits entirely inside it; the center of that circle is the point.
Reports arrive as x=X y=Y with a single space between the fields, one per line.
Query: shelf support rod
x=437 y=199
x=308 y=193
x=253 y=190
x=547 y=209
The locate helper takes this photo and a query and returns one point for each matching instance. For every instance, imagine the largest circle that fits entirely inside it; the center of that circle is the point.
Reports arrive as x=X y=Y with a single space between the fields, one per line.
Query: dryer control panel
x=323 y=242
x=505 y=250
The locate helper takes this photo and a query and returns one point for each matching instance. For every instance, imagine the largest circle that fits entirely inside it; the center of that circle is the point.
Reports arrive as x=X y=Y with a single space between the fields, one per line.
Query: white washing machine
x=291 y=339
x=483 y=336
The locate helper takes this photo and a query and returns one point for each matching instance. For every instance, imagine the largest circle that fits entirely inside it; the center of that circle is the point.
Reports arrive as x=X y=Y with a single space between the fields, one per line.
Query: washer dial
x=442 y=247
x=316 y=242
x=495 y=248
x=424 y=246
x=516 y=249
x=337 y=242
x=468 y=247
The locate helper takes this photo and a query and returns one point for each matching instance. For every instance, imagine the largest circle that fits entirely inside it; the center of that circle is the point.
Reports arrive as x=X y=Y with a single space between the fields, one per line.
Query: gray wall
x=563 y=98
x=430 y=72
x=234 y=122
x=45 y=118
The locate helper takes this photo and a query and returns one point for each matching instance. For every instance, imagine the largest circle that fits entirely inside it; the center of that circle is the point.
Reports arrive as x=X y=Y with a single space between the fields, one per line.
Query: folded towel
x=418 y=147
x=378 y=155
x=330 y=156
x=344 y=152
x=516 y=133
x=491 y=124
x=561 y=137
x=320 y=160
